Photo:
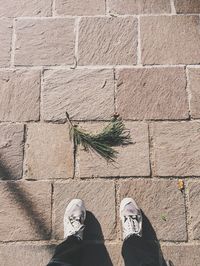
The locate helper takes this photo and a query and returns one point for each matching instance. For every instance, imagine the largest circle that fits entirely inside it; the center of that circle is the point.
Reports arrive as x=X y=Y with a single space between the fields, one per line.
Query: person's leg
x=68 y=253
x=135 y=251
x=138 y=252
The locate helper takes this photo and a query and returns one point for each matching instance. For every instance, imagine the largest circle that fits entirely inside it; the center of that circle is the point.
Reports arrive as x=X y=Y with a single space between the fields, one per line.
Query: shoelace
x=131 y=222
x=75 y=222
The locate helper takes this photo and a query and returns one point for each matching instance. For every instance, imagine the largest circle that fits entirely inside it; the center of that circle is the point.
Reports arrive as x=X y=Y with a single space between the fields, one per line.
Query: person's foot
x=74 y=218
x=131 y=217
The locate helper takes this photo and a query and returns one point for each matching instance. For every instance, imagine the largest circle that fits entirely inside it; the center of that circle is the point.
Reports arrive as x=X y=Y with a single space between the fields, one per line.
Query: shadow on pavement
x=5 y=174
x=25 y=202
x=94 y=250
x=143 y=250
x=22 y=199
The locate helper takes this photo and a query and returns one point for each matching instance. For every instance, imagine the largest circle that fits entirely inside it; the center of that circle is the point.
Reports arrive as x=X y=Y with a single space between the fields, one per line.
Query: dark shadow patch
x=95 y=255
x=143 y=250
x=94 y=250
x=5 y=174
x=22 y=198
x=93 y=231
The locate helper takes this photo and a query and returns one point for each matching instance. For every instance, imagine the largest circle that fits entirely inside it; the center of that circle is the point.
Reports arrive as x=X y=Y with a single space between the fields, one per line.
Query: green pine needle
x=114 y=134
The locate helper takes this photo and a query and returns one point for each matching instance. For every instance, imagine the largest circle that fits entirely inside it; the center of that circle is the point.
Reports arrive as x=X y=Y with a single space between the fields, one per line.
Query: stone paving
x=93 y=58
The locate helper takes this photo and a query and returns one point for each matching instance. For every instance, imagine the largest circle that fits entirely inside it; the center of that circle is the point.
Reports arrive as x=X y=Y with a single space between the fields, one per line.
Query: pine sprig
x=114 y=134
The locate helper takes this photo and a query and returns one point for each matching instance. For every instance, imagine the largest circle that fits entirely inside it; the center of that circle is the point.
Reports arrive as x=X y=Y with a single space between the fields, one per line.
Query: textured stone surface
x=49 y=152
x=193 y=85
x=92 y=58
x=114 y=251
x=152 y=93
x=5 y=44
x=16 y=8
x=11 y=151
x=194 y=201
x=80 y=8
x=182 y=255
x=170 y=40
x=25 y=254
x=25 y=210
x=20 y=91
x=187 y=6
x=99 y=198
x=133 y=160
x=84 y=94
x=177 y=149
x=44 y=42
x=108 y=41
x=159 y=199
x=138 y=6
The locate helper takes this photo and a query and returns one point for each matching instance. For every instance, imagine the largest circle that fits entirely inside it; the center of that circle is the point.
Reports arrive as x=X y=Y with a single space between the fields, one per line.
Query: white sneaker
x=74 y=218
x=131 y=217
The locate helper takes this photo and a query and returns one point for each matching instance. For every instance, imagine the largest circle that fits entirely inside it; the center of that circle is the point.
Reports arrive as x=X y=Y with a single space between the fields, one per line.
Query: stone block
x=25 y=254
x=194 y=210
x=25 y=211
x=49 y=152
x=11 y=151
x=193 y=86
x=170 y=40
x=152 y=93
x=99 y=198
x=108 y=41
x=80 y=8
x=124 y=7
x=6 y=40
x=183 y=255
x=20 y=95
x=176 y=149
x=25 y=8
x=187 y=6
x=84 y=94
x=163 y=205
x=44 y=42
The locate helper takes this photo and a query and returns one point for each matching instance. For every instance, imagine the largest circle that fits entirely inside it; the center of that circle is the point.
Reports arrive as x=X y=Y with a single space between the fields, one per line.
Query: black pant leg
x=68 y=253
x=138 y=252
